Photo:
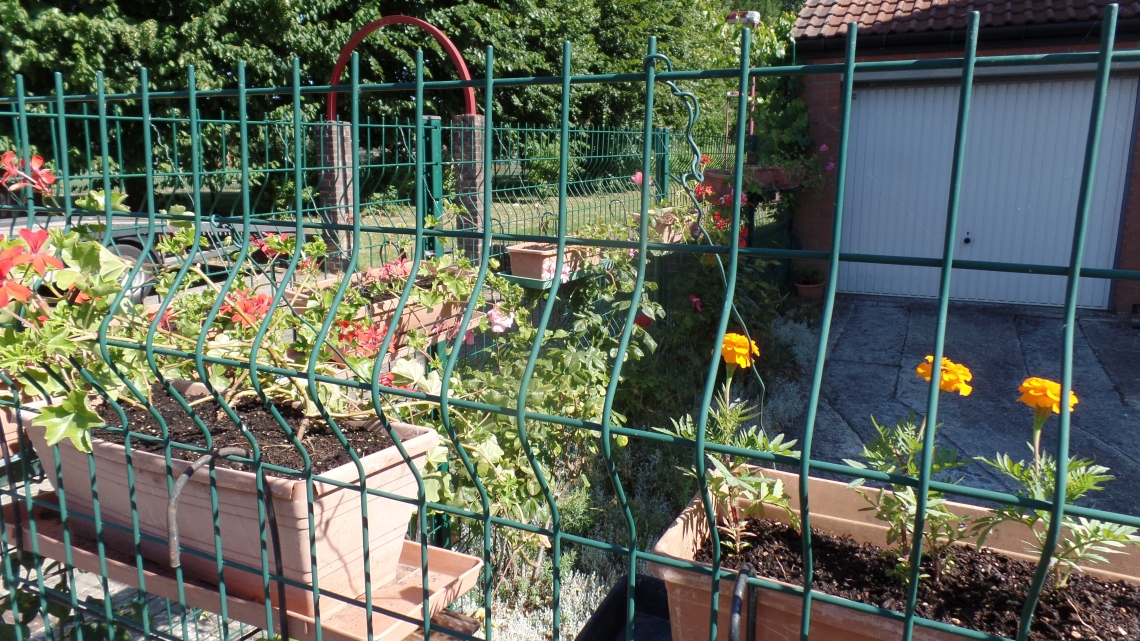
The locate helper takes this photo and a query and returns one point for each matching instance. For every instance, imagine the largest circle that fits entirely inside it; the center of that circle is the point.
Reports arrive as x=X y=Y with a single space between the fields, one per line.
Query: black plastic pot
x=651 y=616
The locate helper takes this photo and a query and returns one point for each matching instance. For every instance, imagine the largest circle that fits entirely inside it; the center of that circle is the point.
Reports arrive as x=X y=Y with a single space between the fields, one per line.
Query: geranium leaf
x=71 y=419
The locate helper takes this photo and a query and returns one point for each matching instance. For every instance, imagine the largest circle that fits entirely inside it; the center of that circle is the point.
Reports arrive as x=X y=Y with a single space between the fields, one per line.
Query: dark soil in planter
x=325 y=451
x=983 y=590
x=375 y=298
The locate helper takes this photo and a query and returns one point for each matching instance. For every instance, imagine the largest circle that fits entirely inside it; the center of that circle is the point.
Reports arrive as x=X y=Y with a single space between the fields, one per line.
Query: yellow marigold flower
x=1043 y=395
x=955 y=377
x=738 y=350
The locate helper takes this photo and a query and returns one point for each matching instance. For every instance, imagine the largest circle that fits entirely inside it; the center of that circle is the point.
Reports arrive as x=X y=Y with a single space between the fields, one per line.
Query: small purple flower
x=823 y=149
x=696 y=303
x=830 y=166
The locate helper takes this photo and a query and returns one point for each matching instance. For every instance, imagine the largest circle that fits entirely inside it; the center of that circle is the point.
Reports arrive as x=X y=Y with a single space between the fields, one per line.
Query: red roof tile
x=829 y=18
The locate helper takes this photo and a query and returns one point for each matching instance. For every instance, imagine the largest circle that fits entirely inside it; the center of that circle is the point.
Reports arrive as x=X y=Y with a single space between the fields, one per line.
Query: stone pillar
x=467 y=153
x=336 y=191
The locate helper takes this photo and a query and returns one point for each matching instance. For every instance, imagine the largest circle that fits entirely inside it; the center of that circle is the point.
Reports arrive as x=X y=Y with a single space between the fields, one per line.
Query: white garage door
x=1024 y=154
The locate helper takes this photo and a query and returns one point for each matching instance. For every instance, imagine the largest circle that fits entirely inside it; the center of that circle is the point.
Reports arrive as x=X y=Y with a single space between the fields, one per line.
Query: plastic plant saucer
x=450 y=576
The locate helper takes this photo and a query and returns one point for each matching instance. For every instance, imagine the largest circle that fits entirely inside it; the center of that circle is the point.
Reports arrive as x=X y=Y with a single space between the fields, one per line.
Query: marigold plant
x=1085 y=541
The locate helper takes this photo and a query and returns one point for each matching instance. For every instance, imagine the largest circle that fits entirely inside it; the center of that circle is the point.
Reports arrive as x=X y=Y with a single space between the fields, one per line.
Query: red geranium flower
x=10 y=289
x=166 y=323
x=246 y=307
x=40 y=260
x=40 y=179
x=643 y=321
x=362 y=340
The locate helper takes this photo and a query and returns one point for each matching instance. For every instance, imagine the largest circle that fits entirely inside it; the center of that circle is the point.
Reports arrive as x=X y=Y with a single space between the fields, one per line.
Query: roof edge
x=1057 y=33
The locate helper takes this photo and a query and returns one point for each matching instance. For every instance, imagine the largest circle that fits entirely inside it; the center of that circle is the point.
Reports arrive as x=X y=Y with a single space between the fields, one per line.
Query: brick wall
x=813 y=219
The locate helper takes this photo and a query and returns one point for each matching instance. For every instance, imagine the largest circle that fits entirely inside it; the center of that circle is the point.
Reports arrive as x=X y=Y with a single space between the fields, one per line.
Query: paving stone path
x=877 y=341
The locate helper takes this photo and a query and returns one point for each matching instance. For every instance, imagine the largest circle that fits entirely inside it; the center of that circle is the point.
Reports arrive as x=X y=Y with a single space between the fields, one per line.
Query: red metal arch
x=448 y=47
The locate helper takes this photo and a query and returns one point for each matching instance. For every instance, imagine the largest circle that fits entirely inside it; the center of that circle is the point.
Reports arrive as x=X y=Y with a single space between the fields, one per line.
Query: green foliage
x=1083 y=541
x=668 y=383
x=69 y=420
x=898 y=450
x=118 y=37
x=97 y=201
x=739 y=490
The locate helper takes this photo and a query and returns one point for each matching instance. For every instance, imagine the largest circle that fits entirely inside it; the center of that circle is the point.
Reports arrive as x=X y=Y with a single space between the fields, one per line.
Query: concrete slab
x=877 y=342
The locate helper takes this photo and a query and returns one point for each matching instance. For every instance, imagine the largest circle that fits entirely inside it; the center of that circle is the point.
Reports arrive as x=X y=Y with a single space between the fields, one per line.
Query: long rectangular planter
x=338 y=523
x=11 y=428
x=450 y=575
x=432 y=321
x=537 y=260
x=837 y=510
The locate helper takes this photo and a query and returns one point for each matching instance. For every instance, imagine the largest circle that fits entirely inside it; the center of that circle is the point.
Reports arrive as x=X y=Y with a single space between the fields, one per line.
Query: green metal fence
x=209 y=169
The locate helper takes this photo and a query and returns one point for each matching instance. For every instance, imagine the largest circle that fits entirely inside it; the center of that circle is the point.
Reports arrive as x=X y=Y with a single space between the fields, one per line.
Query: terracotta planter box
x=450 y=575
x=721 y=180
x=415 y=316
x=836 y=509
x=336 y=511
x=669 y=234
x=537 y=260
x=11 y=427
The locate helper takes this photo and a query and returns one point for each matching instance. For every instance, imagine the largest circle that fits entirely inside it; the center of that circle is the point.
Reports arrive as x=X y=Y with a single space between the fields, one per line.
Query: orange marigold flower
x=955 y=377
x=738 y=350
x=1043 y=395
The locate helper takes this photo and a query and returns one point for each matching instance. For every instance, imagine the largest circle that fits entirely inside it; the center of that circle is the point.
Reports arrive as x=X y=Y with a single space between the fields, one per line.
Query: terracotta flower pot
x=336 y=512
x=812 y=292
x=537 y=260
x=839 y=511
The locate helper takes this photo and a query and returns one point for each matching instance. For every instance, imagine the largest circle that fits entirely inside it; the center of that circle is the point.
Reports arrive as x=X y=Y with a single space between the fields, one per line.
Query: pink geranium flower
x=696 y=303
x=500 y=322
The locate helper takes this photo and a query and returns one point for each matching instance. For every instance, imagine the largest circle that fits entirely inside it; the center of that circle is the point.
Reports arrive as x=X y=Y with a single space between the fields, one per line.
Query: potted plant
x=61 y=304
x=666 y=225
x=539 y=260
x=851 y=520
x=809 y=283
x=442 y=288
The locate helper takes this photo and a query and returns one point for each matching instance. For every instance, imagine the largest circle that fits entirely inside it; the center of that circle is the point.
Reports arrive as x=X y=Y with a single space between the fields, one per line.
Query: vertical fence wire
x=949 y=243
x=824 y=323
x=1080 y=231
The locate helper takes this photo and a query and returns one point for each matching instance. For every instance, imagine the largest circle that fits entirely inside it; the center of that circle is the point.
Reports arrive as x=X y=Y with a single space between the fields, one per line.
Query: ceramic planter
x=837 y=510
x=336 y=512
x=538 y=260
x=810 y=292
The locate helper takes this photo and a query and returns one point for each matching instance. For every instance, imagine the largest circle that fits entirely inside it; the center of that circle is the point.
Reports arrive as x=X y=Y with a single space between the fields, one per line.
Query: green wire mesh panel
x=276 y=384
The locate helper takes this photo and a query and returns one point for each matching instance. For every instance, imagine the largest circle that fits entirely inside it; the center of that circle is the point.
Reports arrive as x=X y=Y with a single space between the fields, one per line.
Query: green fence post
x=661 y=167
x=433 y=126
